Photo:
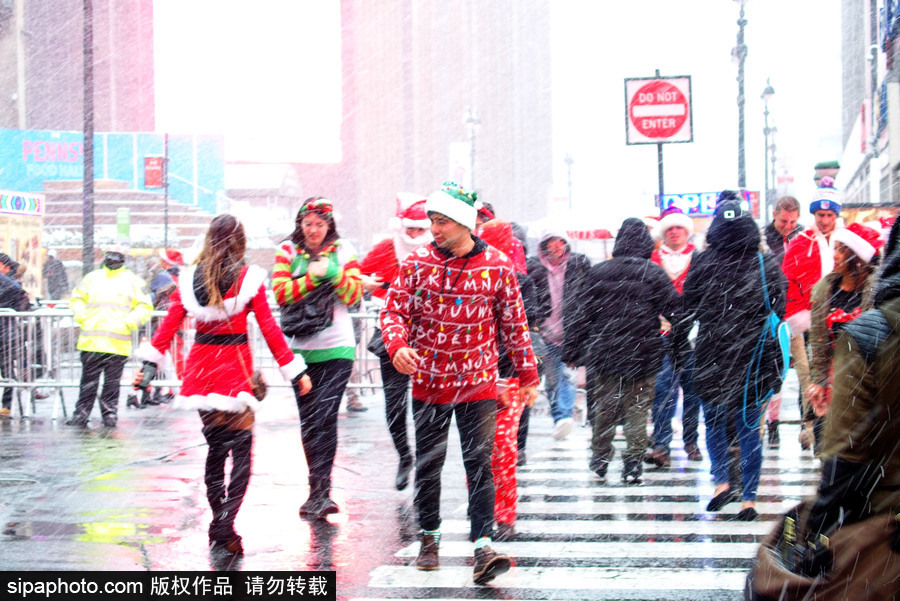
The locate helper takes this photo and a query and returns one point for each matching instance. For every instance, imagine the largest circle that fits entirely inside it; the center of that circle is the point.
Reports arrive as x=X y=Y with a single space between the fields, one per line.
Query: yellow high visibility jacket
x=108 y=305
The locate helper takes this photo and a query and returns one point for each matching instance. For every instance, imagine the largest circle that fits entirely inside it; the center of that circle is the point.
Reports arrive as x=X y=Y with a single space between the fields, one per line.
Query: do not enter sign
x=658 y=110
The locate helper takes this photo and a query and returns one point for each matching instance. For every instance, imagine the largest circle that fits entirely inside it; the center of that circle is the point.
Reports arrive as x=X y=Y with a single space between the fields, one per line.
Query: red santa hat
x=171 y=256
x=415 y=216
x=862 y=240
x=673 y=217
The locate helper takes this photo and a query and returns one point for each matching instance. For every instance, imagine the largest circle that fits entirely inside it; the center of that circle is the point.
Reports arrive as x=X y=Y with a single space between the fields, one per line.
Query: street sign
x=658 y=110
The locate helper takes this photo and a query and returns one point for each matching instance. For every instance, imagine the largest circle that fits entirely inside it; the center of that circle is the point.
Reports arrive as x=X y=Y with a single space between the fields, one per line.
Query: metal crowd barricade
x=39 y=358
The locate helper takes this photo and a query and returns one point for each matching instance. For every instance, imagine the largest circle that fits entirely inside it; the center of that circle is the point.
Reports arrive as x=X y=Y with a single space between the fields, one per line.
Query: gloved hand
x=143 y=377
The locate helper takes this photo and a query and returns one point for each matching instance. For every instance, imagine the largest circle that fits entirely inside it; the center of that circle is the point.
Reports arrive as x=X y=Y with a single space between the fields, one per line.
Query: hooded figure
x=616 y=335
x=724 y=293
x=558 y=275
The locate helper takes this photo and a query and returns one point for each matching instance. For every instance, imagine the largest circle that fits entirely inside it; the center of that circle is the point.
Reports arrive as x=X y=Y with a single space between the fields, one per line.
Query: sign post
x=658 y=110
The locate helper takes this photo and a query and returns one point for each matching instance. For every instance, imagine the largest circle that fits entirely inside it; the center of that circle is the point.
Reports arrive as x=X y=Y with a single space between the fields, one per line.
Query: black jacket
x=775 y=241
x=723 y=292
x=577 y=267
x=616 y=331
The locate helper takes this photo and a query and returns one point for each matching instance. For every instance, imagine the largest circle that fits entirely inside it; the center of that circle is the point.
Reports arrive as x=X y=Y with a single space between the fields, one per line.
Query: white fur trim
x=854 y=242
x=673 y=220
x=453 y=208
x=147 y=352
x=255 y=277
x=826 y=253
x=420 y=223
x=293 y=369
x=220 y=402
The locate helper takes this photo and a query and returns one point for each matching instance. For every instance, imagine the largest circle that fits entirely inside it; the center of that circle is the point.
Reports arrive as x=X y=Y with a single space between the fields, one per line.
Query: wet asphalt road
x=133 y=499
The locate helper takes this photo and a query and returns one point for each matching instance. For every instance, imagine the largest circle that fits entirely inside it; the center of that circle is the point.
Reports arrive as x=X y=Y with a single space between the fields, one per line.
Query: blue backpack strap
x=869 y=331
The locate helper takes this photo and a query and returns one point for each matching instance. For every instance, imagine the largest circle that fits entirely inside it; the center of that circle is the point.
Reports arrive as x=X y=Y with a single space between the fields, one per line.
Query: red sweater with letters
x=450 y=310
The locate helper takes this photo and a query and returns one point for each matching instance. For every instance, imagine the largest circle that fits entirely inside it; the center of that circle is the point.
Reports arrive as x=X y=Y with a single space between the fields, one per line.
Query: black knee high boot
x=319 y=503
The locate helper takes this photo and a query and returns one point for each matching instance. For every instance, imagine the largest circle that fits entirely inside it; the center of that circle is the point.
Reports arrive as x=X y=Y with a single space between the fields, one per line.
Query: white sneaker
x=563 y=428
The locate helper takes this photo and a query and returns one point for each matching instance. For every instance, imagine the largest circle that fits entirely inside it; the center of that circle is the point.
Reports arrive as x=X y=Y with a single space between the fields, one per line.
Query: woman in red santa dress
x=379 y=269
x=220 y=291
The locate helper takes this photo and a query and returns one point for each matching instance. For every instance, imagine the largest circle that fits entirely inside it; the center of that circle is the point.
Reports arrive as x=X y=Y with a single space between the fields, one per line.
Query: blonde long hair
x=222 y=256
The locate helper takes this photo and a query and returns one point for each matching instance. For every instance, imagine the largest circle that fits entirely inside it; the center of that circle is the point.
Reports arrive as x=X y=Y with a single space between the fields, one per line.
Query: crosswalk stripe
x=643 y=507
x=703 y=490
x=574 y=550
x=556 y=578
x=565 y=528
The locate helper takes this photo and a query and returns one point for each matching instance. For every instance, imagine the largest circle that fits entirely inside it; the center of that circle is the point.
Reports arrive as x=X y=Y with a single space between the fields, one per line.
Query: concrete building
x=870 y=163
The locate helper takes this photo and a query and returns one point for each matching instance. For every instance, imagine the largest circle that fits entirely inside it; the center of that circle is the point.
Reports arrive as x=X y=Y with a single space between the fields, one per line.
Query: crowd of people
x=469 y=327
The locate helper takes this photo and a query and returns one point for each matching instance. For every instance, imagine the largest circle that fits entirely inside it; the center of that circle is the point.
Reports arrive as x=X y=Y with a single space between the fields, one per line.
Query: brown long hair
x=222 y=256
x=297 y=236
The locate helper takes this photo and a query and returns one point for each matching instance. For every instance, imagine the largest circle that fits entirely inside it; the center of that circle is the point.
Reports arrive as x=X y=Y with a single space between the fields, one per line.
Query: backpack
x=772 y=354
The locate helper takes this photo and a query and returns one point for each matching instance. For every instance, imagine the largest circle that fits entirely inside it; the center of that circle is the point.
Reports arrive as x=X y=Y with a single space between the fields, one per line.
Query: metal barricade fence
x=38 y=353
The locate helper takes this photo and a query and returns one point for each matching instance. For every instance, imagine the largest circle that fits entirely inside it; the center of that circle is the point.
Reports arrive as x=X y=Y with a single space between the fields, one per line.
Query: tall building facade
x=42 y=66
x=412 y=71
x=870 y=163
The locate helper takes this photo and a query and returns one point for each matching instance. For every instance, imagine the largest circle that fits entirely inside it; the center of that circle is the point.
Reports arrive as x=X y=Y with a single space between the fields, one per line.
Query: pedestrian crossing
x=578 y=539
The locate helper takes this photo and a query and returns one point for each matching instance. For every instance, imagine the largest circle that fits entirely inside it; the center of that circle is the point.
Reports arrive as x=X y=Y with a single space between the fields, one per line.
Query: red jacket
x=217 y=376
x=382 y=262
x=450 y=310
x=803 y=268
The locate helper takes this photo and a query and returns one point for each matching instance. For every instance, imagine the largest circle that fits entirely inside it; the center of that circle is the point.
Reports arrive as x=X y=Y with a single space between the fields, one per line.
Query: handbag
x=376 y=345
x=857 y=561
x=311 y=314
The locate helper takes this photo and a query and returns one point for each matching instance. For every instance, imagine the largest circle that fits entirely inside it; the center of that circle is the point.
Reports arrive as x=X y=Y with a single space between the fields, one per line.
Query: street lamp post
x=740 y=52
x=568 y=161
x=767 y=131
x=472 y=123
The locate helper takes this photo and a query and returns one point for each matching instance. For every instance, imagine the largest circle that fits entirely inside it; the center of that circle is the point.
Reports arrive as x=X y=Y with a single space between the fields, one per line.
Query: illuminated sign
x=701 y=204
x=18 y=203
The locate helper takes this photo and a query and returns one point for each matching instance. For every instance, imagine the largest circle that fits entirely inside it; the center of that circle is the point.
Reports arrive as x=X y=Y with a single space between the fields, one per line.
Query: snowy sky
x=595 y=46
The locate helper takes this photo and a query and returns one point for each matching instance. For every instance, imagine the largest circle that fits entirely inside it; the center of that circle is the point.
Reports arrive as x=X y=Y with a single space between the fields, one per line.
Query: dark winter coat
x=723 y=292
x=577 y=268
x=617 y=328
x=775 y=242
x=57 y=281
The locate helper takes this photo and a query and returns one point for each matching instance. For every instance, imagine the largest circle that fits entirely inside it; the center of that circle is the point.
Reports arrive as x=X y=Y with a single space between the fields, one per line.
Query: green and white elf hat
x=454 y=202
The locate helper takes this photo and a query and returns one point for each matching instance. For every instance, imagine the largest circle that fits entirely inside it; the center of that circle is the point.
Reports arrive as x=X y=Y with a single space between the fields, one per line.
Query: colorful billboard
x=196 y=165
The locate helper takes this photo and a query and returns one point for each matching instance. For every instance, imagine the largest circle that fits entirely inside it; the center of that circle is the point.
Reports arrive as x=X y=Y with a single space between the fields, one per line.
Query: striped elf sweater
x=450 y=309
x=291 y=282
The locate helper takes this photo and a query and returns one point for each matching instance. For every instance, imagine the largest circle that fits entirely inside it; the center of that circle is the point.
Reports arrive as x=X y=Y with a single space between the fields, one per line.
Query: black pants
x=225 y=503
x=7 y=368
x=92 y=366
x=318 y=417
x=395 y=406
x=476 y=421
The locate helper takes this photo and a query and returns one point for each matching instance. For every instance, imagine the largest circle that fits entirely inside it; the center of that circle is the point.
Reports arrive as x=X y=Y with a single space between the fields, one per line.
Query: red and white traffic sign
x=658 y=110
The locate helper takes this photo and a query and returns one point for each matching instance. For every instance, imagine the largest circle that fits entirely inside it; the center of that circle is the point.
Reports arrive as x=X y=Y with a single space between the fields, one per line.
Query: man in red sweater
x=444 y=311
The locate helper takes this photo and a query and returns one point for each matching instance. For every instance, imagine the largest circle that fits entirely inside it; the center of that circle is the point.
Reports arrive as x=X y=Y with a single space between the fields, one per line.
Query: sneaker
x=489 y=564
x=563 y=428
x=428 y=554
x=77 y=423
x=693 y=452
x=657 y=457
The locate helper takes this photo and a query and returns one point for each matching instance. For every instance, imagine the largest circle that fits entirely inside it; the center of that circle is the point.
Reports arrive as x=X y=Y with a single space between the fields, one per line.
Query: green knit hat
x=454 y=202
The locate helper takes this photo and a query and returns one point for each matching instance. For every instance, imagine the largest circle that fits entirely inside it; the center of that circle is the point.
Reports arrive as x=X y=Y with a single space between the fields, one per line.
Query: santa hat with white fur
x=415 y=216
x=862 y=240
x=454 y=202
x=673 y=217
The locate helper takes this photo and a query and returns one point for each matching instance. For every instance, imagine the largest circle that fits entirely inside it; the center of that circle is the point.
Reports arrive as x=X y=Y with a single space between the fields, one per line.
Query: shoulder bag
x=311 y=314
